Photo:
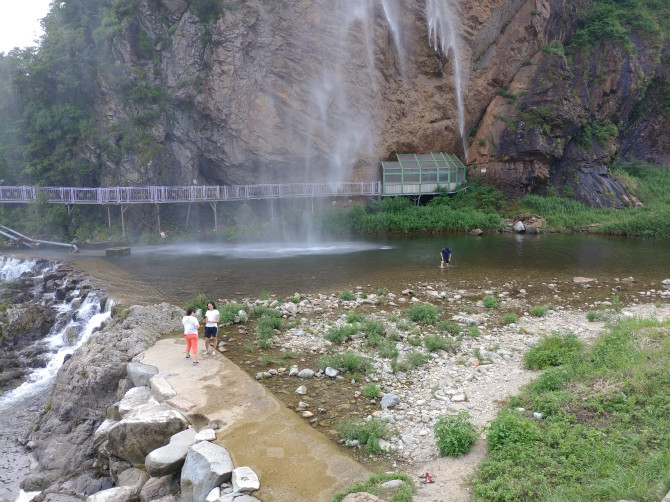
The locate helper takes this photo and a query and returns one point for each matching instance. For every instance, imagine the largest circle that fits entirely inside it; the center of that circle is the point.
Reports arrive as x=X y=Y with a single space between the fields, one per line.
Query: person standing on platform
x=191 y=326
x=211 y=326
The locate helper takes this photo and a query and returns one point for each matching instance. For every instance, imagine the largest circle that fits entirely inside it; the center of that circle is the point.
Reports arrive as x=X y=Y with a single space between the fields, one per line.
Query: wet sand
x=292 y=460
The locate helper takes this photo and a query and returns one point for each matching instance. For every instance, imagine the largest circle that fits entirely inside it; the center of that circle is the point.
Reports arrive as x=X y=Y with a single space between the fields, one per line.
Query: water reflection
x=227 y=270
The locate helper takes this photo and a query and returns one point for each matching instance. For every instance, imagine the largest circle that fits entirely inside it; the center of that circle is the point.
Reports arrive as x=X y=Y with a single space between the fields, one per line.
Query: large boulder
x=207 y=466
x=138 y=434
x=170 y=458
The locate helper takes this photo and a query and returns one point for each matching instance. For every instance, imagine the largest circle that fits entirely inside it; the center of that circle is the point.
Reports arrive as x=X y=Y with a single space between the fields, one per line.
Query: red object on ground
x=429 y=479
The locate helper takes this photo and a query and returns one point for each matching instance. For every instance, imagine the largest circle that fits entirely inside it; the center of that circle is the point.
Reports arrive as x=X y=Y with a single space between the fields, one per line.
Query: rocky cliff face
x=305 y=90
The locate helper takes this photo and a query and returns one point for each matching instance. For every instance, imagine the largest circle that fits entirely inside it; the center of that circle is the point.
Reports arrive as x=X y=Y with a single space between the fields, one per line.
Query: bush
x=553 y=350
x=490 y=302
x=425 y=313
x=366 y=432
x=449 y=327
x=347 y=296
x=371 y=390
x=348 y=361
x=416 y=359
x=539 y=310
x=510 y=428
x=340 y=334
x=455 y=434
x=437 y=342
x=510 y=318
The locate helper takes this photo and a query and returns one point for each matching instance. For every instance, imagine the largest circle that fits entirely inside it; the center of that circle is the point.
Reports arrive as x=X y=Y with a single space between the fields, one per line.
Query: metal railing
x=195 y=193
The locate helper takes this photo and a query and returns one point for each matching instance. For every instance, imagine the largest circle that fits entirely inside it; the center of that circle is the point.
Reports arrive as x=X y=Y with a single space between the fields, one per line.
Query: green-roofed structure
x=421 y=174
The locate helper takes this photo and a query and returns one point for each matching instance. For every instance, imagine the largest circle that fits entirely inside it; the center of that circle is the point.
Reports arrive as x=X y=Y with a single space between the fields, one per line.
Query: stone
x=582 y=280
x=170 y=458
x=302 y=390
x=519 y=227
x=361 y=497
x=389 y=400
x=141 y=432
x=117 y=494
x=245 y=480
x=205 y=435
x=306 y=373
x=207 y=465
x=161 y=389
x=156 y=488
x=140 y=374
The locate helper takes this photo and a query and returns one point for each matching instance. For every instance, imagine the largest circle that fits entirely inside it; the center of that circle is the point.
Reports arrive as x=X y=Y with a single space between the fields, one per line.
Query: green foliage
x=600 y=131
x=373 y=485
x=199 y=302
x=510 y=318
x=604 y=433
x=455 y=434
x=228 y=311
x=371 y=390
x=450 y=327
x=349 y=361
x=353 y=317
x=366 y=432
x=553 y=350
x=555 y=48
x=539 y=310
x=341 y=333
x=437 y=342
x=347 y=296
x=511 y=428
x=490 y=302
x=416 y=359
x=425 y=313
x=208 y=11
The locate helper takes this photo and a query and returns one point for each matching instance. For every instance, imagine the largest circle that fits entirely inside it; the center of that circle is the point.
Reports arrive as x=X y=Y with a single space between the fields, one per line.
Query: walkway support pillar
x=158 y=213
x=123 y=224
x=216 y=226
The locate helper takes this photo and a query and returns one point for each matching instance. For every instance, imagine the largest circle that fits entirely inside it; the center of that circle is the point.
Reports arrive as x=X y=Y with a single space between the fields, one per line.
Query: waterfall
x=440 y=16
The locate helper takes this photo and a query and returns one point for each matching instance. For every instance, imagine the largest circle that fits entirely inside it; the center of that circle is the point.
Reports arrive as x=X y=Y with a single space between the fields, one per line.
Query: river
x=226 y=270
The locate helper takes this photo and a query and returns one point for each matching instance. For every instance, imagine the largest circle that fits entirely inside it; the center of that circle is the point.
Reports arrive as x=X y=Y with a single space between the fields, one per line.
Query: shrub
x=510 y=318
x=490 y=302
x=340 y=334
x=449 y=327
x=416 y=359
x=455 y=434
x=437 y=342
x=371 y=390
x=347 y=296
x=553 y=350
x=539 y=310
x=425 y=313
x=366 y=432
x=229 y=311
x=510 y=428
x=349 y=361
x=399 y=366
x=353 y=317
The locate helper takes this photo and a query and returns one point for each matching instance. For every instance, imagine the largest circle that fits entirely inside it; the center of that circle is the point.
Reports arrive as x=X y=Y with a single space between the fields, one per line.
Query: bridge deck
x=180 y=194
x=200 y=193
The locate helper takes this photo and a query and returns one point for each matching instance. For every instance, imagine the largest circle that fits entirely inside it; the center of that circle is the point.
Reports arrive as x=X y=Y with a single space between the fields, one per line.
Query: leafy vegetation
x=603 y=433
x=373 y=485
x=366 y=432
x=425 y=313
x=455 y=434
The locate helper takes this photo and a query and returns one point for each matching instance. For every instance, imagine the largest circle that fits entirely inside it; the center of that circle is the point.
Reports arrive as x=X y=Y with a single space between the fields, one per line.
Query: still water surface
x=227 y=270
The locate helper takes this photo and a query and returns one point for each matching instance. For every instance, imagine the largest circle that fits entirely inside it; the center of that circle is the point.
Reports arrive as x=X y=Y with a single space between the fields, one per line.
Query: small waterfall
x=62 y=341
x=440 y=16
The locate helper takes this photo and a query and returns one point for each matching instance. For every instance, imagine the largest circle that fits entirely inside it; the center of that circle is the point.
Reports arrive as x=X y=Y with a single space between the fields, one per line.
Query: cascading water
x=74 y=324
x=329 y=91
x=440 y=16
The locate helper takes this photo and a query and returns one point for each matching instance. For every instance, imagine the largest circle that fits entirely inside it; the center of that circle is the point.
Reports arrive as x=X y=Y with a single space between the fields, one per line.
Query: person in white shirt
x=191 y=326
x=211 y=326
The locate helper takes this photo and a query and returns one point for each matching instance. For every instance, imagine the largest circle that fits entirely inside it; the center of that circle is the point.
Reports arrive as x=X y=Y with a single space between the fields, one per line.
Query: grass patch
x=349 y=362
x=437 y=342
x=341 y=333
x=347 y=296
x=510 y=318
x=539 y=310
x=366 y=432
x=553 y=350
x=604 y=434
x=425 y=313
x=371 y=390
x=490 y=302
x=373 y=485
